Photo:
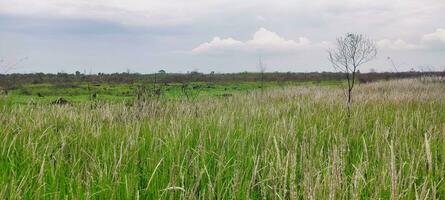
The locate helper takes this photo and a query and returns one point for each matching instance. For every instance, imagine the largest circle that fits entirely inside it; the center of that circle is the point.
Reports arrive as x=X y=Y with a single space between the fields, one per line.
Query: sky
x=223 y=36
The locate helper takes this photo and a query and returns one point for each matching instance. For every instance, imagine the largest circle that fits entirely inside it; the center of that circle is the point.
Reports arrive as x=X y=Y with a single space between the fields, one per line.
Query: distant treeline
x=14 y=80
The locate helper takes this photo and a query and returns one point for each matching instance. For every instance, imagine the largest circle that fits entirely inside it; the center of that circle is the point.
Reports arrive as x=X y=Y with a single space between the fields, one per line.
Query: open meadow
x=222 y=99
x=292 y=142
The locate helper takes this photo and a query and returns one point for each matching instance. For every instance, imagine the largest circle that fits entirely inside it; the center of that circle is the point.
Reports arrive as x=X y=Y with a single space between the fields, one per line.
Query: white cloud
x=398 y=44
x=265 y=39
x=270 y=42
x=262 y=41
x=435 y=39
x=128 y=12
x=260 y=18
x=173 y=12
x=427 y=42
x=218 y=44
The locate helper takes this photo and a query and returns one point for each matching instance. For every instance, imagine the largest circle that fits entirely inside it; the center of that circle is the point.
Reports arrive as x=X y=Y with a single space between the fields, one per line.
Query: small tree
x=5 y=67
x=350 y=52
x=160 y=75
x=392 y=63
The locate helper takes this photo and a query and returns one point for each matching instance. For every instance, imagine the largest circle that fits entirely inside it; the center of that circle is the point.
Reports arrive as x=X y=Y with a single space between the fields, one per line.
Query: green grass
x=82 y=92
x=283 y=143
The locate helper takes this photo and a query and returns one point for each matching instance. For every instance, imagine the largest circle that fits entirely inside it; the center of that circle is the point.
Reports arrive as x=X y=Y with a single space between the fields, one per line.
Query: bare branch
x=6 y=67
x=350 y=53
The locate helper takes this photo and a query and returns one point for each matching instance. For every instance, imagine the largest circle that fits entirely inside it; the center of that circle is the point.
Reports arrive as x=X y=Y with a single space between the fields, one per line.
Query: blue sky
x=222 y=36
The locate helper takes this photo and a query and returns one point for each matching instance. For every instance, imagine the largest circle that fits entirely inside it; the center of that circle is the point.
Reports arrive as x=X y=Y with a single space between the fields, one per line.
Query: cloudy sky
x=214 y=35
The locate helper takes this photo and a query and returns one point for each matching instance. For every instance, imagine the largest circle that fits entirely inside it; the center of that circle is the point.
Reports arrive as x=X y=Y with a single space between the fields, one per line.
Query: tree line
x=15 y=79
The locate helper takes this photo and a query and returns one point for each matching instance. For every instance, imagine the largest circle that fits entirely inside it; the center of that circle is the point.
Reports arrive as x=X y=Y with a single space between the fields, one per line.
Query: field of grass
x=82 y=92
x=283 y=143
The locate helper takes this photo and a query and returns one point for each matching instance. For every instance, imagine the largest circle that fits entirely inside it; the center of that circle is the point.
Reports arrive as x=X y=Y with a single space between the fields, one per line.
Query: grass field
x=82 y=92
x=283 y=143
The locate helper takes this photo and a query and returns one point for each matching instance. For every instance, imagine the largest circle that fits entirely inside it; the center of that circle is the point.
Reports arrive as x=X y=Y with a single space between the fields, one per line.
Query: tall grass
x=291 y=143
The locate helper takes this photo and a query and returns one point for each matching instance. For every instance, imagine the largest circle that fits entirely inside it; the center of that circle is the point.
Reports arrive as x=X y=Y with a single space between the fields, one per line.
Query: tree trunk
x=349 y=101
x=349 y=96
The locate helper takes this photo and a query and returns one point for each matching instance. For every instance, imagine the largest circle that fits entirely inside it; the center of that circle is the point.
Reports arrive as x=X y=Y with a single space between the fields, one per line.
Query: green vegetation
x=82 y=92
x=286 y=143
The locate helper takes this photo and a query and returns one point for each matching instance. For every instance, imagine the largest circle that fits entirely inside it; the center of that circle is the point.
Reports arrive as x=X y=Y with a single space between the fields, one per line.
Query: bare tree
x=350 y=52
x=6 y=67
x=392 y=63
